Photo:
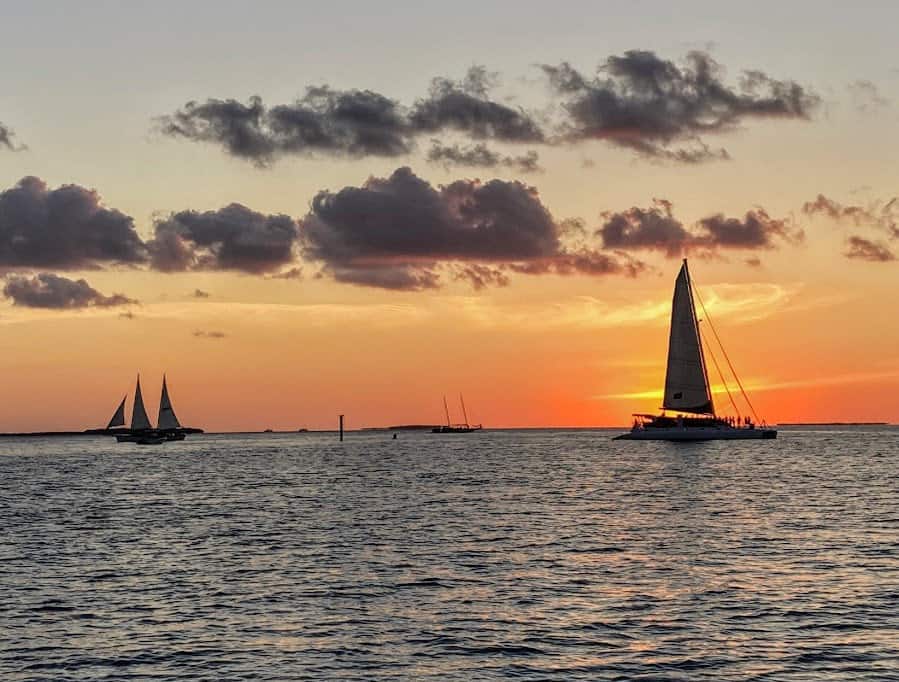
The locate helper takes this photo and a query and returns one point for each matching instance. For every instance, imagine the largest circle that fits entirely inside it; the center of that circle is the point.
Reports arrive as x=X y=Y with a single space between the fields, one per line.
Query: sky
x=298 y=210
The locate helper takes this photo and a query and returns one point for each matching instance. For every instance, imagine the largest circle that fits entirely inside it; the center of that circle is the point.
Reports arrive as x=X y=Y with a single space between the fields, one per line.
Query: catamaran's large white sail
x=118 y=419
x=139 y=419
x=167 y=417
x=686 y=382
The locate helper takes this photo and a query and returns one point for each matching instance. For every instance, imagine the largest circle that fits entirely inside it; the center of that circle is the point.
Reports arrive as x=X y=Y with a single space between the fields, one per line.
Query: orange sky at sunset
x=439 y=227
x=523 y=356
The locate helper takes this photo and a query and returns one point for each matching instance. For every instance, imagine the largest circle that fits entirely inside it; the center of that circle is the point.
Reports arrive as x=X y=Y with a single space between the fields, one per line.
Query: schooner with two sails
x=142 y=430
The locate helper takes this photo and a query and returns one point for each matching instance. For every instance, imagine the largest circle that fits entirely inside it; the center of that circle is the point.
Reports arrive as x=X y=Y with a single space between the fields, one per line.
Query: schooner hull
x=694 y=433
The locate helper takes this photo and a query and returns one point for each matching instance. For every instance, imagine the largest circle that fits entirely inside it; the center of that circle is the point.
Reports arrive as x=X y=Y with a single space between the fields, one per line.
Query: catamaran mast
x=446 y=410
x=705 y=372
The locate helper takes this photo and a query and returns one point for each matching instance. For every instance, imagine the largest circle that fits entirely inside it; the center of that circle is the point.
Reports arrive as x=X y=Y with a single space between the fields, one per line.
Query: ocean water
x=532 y=555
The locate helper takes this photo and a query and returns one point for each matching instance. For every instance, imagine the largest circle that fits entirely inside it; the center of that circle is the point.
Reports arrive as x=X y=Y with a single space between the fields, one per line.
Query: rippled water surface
x=510 y=554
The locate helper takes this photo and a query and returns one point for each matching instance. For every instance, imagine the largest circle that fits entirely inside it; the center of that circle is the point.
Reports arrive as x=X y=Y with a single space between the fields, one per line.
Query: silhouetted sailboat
x=142 y=431
x=456 y=428
x=687 y=389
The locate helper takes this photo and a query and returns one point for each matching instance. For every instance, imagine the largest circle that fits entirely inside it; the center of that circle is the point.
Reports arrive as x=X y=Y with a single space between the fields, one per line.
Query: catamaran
x=142 y=431
x=687 y=389
x=456 y=428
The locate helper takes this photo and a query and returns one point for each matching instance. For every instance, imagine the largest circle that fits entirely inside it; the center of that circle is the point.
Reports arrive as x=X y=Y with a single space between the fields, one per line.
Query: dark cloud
x=399 y=232
x=656 y=228
x=66 y=228
x=879 y=214
x=6 y=136
x=46 y=290
x=128 y=315
x=354 y=123
x=239 y=128
x=754 y=262
x=481 y=156
x=231 y=238
x=351 y=123
x=203 y=334
x=865 y=249
x=653 y=228
x=466 y=107
x=637 y=100
x=199 y=293
x=835 y=210
x=655 y=107
x=756 y=230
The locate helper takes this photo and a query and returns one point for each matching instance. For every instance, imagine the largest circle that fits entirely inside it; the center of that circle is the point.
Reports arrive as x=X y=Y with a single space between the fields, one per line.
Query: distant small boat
x=687 y=389
x=449 y=427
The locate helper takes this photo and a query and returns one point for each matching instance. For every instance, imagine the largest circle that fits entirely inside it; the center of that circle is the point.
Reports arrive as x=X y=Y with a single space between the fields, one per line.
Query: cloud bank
x=46 y=290
x=637 y=100
x=399 y=232
x=66 y=228
x=326 y=122
x=232 y=238
x=656 y=229
x=651 y=105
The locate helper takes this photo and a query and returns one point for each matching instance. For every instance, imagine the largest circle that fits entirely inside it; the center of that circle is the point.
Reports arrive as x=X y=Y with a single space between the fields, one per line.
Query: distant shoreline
x=410 y=427
x=835 y=424
x=86 y=432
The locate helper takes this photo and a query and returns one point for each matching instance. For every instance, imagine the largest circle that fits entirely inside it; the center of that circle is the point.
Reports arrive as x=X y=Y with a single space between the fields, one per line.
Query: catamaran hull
x=697 y=434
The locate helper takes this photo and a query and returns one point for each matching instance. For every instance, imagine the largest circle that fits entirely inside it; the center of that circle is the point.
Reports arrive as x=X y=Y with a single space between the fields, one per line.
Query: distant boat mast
x=446 y=410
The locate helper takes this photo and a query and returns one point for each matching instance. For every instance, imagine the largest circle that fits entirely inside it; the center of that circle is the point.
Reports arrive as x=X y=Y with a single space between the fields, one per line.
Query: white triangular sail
x=139 y=419
x=118 y=419
x=167 y=417
x=686 y=382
